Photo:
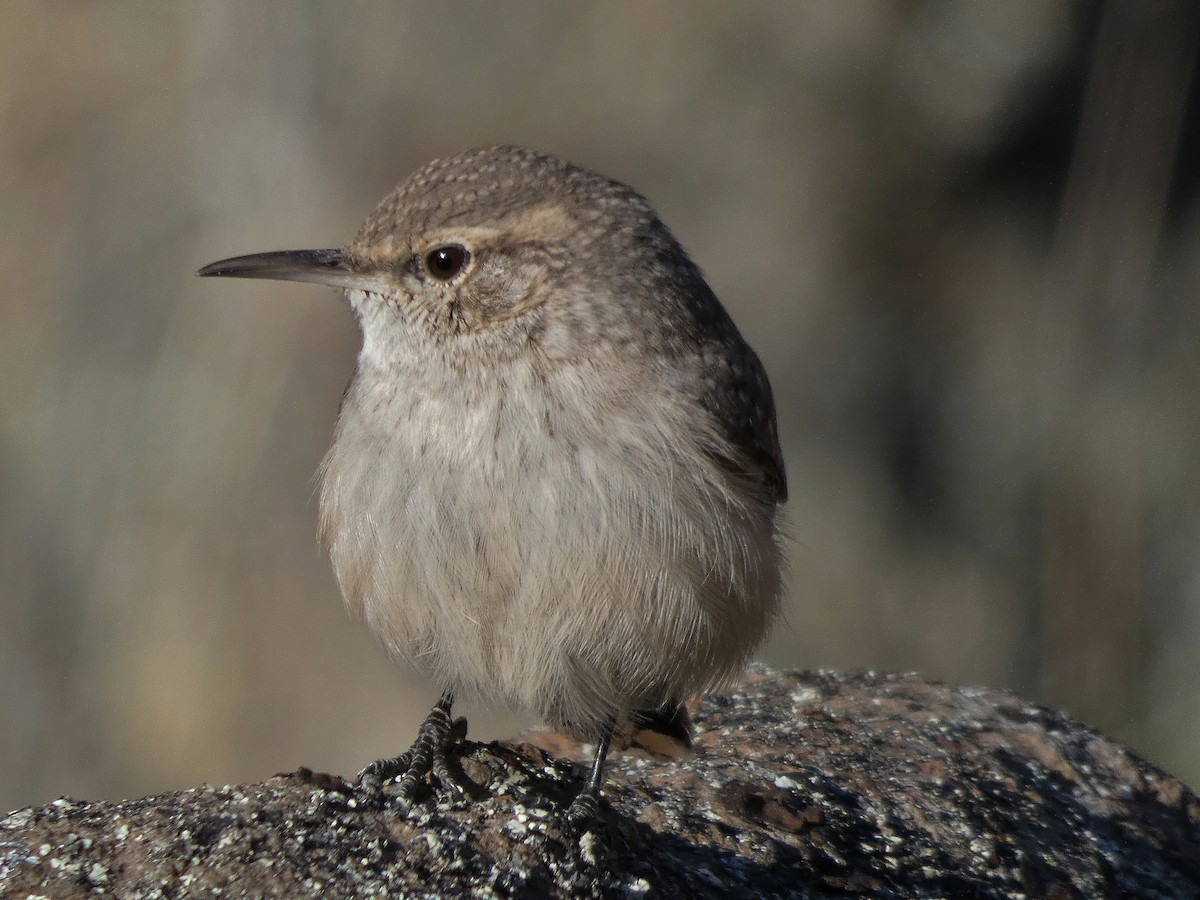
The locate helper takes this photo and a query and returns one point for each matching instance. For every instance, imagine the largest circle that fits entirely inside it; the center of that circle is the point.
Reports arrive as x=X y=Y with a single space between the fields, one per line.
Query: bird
x=555 y=477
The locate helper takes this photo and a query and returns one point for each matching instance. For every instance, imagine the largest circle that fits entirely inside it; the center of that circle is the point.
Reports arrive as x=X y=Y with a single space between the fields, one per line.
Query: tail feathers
x=666 y=731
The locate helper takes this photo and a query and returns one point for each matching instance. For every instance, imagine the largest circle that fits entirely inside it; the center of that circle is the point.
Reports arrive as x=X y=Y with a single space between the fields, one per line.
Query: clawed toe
x=432 y=763
x=382 y=771
x=427 y=760
x=584 y=812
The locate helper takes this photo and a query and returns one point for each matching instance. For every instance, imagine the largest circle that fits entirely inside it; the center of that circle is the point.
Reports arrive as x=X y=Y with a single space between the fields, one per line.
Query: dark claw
x=584 y=812
x=583 y=815
x=426 y=758
x=583 y=828
x=384 y=770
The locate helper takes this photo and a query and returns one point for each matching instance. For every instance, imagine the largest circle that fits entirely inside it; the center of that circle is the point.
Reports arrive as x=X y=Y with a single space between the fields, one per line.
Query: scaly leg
x=585 y=808
x=426 y=757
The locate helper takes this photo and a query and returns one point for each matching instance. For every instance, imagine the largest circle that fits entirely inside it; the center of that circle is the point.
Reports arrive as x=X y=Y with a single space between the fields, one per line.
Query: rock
x=803 y=785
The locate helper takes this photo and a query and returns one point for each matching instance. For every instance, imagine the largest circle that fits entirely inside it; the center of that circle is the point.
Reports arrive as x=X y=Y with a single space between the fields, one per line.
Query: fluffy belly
x=576 y=582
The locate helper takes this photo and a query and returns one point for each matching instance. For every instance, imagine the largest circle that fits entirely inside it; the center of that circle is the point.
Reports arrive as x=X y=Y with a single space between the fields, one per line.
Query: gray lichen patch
x=803 y=785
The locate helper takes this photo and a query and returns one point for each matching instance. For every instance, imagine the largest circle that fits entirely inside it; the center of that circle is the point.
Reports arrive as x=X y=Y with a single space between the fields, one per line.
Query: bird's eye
x=445 y=262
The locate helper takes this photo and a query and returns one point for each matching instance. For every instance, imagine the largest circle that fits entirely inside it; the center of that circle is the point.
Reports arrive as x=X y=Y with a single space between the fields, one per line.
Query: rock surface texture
x=803 y=785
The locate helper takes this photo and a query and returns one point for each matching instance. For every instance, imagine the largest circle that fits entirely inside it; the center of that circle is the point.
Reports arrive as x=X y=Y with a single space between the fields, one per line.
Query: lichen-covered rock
x=803 y=785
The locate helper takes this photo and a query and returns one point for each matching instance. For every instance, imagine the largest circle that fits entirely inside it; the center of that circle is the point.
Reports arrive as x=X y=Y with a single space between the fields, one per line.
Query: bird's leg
x=585 y=808
x=426 y=757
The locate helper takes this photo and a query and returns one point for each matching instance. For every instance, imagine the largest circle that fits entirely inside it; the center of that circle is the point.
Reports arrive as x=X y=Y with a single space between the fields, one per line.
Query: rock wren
x=555 y=472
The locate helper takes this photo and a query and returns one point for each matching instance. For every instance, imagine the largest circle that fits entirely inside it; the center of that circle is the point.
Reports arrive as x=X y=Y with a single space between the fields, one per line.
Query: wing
x=732 y=382
x=737 y=392
x=760 y=439
x=746 y=407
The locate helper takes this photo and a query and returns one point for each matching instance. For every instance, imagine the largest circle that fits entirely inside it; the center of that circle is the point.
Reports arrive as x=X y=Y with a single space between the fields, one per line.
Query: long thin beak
x=316 y=266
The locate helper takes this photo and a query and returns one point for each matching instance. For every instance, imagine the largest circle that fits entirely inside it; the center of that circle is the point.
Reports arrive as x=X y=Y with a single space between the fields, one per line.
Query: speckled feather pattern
x=554 y=477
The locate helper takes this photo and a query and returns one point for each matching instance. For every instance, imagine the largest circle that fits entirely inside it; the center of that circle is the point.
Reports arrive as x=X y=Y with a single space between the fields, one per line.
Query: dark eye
x=445 y=262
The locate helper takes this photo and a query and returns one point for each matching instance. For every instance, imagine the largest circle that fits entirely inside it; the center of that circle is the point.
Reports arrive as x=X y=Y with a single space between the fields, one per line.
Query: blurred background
x=964 y=237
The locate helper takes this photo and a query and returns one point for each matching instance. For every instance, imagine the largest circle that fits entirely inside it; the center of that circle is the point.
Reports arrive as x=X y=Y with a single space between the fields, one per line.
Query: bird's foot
x=428 y=760
x=583 y=817
x=583 y=828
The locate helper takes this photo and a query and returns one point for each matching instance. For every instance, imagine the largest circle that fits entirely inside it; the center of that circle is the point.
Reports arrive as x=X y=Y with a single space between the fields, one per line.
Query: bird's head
x=491 y=241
